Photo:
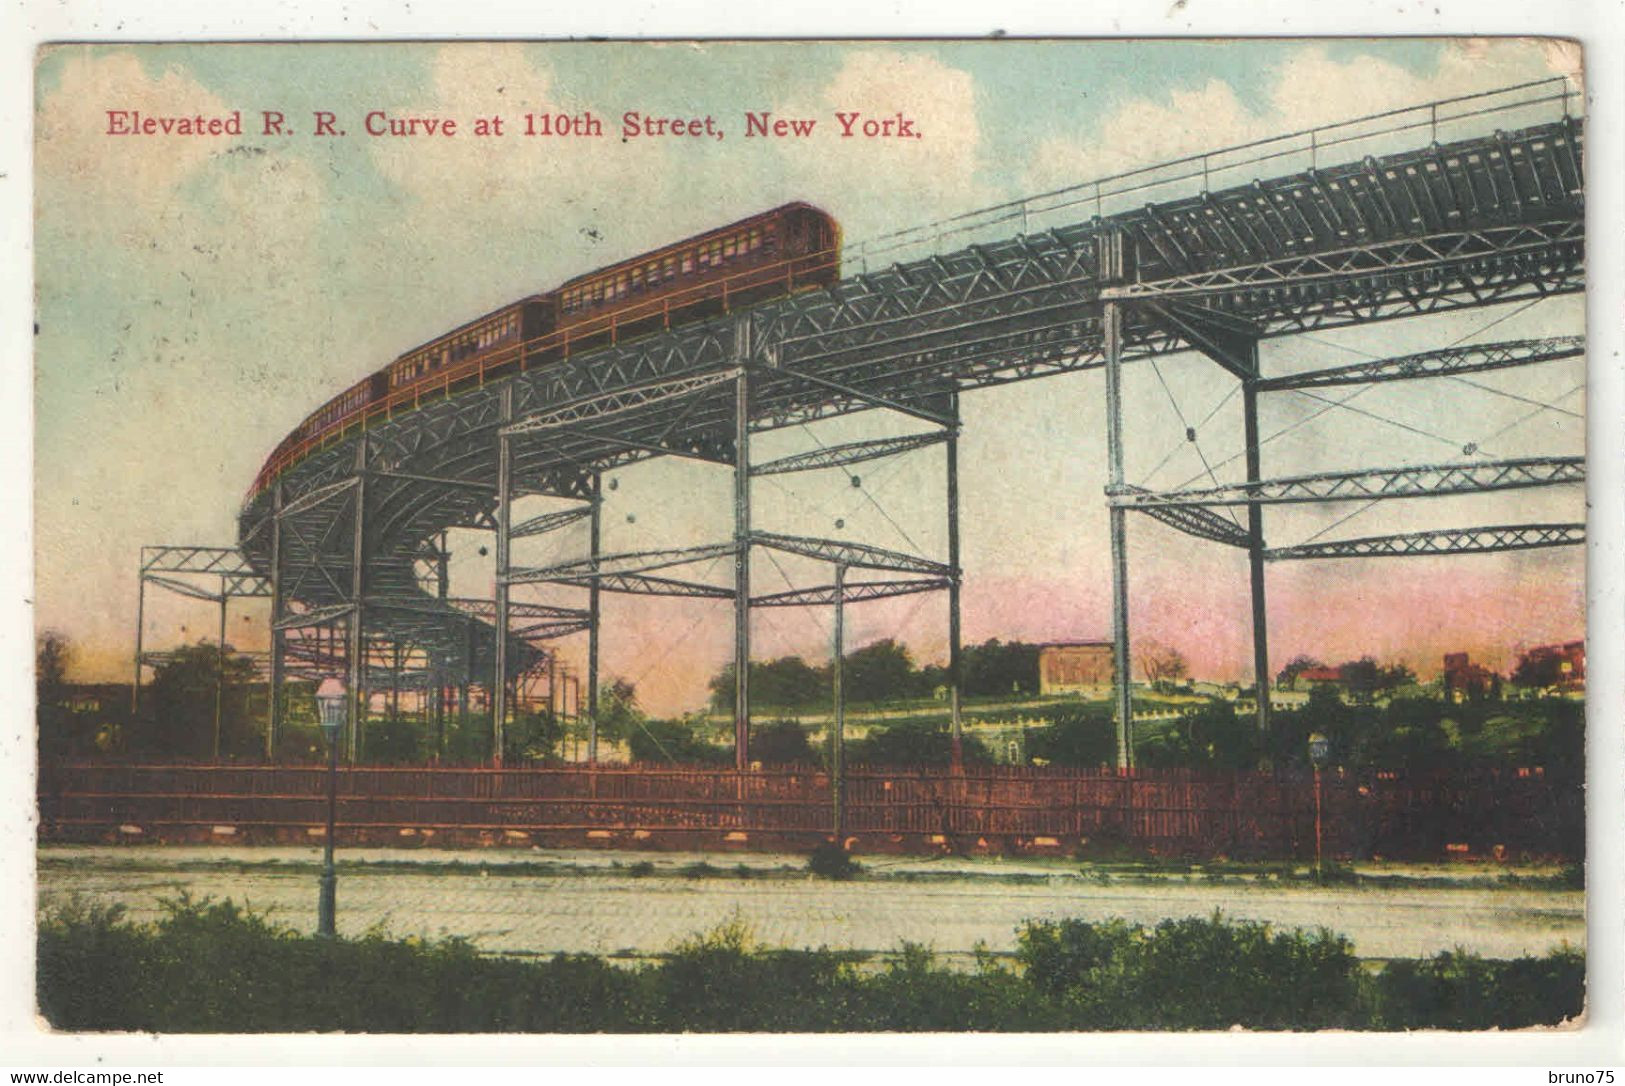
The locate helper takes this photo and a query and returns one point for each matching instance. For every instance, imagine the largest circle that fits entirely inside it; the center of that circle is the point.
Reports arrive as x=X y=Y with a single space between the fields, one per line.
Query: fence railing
x=1465 y=116
x=1173 y=812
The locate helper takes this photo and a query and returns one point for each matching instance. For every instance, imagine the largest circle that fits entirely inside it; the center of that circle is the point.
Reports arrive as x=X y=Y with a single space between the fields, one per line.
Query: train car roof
x=794 y=205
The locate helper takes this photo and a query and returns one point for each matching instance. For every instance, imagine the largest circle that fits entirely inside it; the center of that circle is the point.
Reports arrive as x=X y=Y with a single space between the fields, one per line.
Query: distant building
x=1467 y=681
x=1564 y=665
x=1313 y=678
x=1075 y=667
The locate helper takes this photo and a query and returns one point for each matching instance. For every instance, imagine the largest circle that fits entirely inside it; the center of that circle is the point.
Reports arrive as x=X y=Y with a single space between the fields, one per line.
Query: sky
x=197 y=297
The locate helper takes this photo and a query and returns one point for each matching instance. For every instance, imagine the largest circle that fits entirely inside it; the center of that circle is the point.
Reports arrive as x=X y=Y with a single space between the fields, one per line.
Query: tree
x=1085 y=738
x=57 y=735
x=1162 y=664
x=1295 y=667
x=788 y=682
x=674 y=741
x=998 y=669
x=782 y=742
x=618 y=711
x=880 y=671
x=182 y=700
x=52 y=655
x=915 y=743
x=1539 y=670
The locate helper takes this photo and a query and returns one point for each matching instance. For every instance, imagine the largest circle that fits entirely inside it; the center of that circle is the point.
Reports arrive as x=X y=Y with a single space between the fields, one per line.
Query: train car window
x=688 y=262
x=728 y=247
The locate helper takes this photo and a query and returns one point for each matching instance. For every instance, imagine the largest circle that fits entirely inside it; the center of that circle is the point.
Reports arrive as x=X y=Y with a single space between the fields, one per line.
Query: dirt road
x=604 y=904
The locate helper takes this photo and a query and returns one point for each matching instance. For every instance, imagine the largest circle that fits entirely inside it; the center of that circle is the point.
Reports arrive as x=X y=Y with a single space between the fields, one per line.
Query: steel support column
x=837 y=752
x=594 y=545
x=357 y=648
x=499 y=679
x=220 y=672
x=742 y=571
x=140 y=619
x=1112 y=270
x=955 y=676
x=442 y=590
x=273 y=694
x=1255 y=553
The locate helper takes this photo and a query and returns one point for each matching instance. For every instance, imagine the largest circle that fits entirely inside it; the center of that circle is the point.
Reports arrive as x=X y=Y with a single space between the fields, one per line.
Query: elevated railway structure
x=1451 y=206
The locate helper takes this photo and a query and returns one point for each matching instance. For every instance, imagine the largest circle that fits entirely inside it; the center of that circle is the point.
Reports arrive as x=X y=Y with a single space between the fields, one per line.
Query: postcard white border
x=1598 y=25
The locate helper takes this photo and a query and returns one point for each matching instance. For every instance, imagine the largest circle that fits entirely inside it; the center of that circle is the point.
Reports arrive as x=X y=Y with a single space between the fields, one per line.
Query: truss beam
x=850 y=592
x=1486 y=540
x=856 y=555
x=586 y=569
x=855 y=452
x=642 y=584
x=1408 y=482
x=607 y=404
x=180 y=558
x=1195 y=520
x=1227 y=339
x=1472 y=358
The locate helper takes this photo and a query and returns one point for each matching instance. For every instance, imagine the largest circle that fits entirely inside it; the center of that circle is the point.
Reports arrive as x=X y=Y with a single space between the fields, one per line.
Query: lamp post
x=1320 y=749
x=332 y=700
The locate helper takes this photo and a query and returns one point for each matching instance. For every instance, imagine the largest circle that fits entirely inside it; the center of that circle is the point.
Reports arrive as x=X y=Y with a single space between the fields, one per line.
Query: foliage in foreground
x=213 y=967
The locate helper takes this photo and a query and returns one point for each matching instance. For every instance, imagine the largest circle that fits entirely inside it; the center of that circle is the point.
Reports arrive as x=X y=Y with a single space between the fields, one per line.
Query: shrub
x=830 y=861
x=216 y=967
x=1458 y=990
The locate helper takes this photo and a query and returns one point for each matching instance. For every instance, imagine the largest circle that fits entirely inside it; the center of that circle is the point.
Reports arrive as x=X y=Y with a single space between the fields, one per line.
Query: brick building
x=1075 y=667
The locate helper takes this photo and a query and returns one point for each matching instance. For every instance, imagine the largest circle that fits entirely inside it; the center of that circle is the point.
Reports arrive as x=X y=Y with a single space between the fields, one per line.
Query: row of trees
x=1400 y=733
x=883 y=671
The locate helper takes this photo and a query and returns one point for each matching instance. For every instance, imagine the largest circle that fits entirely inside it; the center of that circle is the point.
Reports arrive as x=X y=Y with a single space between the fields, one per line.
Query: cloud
x=72 y=147
x=481 y=178
x=1309 y=89
x=884 y=180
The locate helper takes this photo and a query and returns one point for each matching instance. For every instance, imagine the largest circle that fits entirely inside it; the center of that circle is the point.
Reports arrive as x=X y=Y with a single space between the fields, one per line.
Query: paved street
x=595 y=903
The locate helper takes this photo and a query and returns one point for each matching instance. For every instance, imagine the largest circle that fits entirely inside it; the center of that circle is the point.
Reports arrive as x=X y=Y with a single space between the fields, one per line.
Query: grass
x=210 y=966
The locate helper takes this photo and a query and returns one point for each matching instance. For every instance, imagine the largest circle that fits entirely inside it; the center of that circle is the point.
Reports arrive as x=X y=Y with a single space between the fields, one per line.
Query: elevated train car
x=778 y=252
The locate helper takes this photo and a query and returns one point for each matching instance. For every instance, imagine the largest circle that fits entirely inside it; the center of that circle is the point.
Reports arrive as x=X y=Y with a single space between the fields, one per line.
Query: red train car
x=790 y=248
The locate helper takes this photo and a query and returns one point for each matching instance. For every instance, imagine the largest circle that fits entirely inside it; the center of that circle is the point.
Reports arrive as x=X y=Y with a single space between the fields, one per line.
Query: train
x=790 y=248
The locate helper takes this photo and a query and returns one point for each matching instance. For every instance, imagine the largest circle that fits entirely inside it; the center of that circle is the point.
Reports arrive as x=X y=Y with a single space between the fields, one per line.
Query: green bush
x=830 y=861
x=214 y=967
x=1458 y=990
x=1193 y=974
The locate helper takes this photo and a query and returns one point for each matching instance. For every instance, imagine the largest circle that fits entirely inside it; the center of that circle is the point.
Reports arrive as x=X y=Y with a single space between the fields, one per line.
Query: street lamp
x=332 y=701
x=1320 y=752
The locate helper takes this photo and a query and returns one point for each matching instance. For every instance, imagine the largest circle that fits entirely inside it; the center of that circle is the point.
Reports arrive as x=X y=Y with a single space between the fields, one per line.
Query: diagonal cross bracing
x=859 y=555
x=185 y=588
x=316 y=497
x=317 y=616
x=1409 y=482
x=1195 y=520
x=855 y=592
x=1472 y=358
x=1487 y=540
x=179 y=558
x=855 y=452
x=246 y=585
x=1435 y=251
x=613 y=564
x=625 y=399
x=549 y=522
x=640 y=584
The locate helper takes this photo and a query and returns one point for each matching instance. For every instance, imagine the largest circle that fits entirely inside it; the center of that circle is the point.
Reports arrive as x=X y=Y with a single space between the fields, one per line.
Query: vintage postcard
x=804 y=536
